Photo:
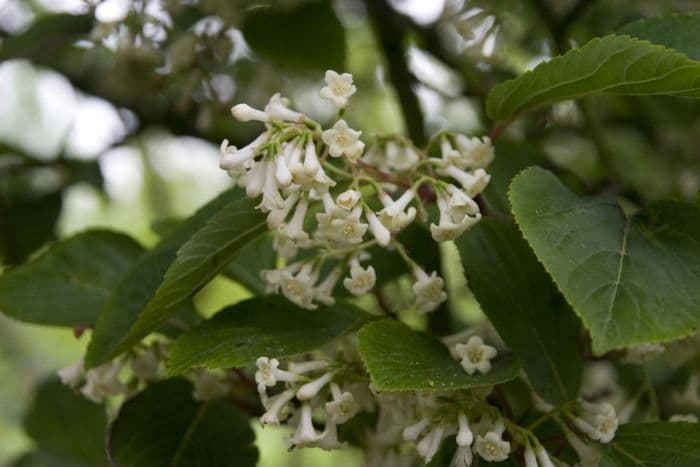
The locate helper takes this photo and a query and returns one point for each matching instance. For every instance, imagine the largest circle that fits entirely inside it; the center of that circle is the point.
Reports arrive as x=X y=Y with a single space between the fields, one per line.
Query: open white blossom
x=348 y=199
x=268 y=373
x=343 y=407
x=429 y=290
x=361 y=280
x=299 y=287
x=491 y=447
x=343 y=141
x=305 y=435
x=475 y=355
x=477 y=153
x=338 y=88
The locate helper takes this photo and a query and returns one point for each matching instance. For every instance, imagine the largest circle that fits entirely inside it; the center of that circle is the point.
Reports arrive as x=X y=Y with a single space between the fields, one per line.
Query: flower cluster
x=330 y=202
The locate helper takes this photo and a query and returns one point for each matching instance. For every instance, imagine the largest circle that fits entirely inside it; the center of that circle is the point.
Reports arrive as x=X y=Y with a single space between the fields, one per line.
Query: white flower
x=284 y=246
x=343 y=141
x=428 y=289
x=323 y=292
x=145 y=365
x=588 y=455
x=208 y=386
x=361 y=280
x=70 y=375
x=246 y=113
x=529 y=457
x=686 y=418
x=348 y=199
x=473 y=182
x=400 y=157
x=338 y=88
x=301 y=368
x=392 y=220
x=103 y=381
x=329 y=438
x=278 y=109
x=255 y=180
x=543 y=457
x=411 y=432
x=271 y=200
x=305 y=435
x=299 y=288
x=465 y=437
x=476 y=356
x=400 y=204
x=429 y=445
x=294 y=230
x=463 y=457
x=343 y=406
x=277 y=216
x=454 y=218
x=305 y=173
x=491 y=447
x=274 y=405
x=476 y=152
x=231 y=158
x=642 y=353
x=282 y=174
x=268 y=373
x=309 y=390
x=380 y=232
x=348 y=230
x=598 y=421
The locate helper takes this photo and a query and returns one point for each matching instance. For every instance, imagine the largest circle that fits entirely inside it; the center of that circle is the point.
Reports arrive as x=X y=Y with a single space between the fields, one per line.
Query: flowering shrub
x=583 y=350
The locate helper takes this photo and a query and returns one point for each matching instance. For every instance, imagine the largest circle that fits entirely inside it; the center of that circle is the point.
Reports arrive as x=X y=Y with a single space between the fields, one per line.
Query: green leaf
x=660 y=444
x=612 y=64
x=249 y=261
x=164 y=427
x=67 y=429
x=400 y=359
x=68 y=283
x=529 y=313
x=269 y=31
x=120 y=323
x=261 y=326
x=677 y=32
x=631 y=279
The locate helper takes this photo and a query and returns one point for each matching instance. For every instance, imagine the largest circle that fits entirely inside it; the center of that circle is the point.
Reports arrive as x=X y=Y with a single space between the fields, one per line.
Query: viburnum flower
x=71 y=375
x=491 y=446
x=103 y=381
x=361 y=280
x=411 y=432
x=477 y=153
x=348 y=199
x=274 y=405
x=348 y=230
x=232 y=158
x=429 y=445
x=529 y=457
x=598 y=421
x=465 y=437
x=246 y=113
x=587 y=454
x=294 y=230
x=305 y=435
x=278 y=109
x=343 y=141
x=268 y=373
x=380 y=232
x=338 y=88
x=343 y=407
x=458 y=212
x=393 y=219
x=145 y=365
x=428 y=289
x=462 y=457
x=475 y=355
x=323 y=293
x=309 y=390
x=299 y=288
x=472 y=182
x=208 y=386
x=329 y=438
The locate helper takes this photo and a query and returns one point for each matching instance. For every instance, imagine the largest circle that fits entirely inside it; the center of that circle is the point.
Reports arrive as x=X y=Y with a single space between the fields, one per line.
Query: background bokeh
x=111 y=113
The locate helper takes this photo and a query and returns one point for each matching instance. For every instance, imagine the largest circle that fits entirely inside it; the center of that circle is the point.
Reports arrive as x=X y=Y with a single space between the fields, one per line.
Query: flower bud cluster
x=329 y=201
